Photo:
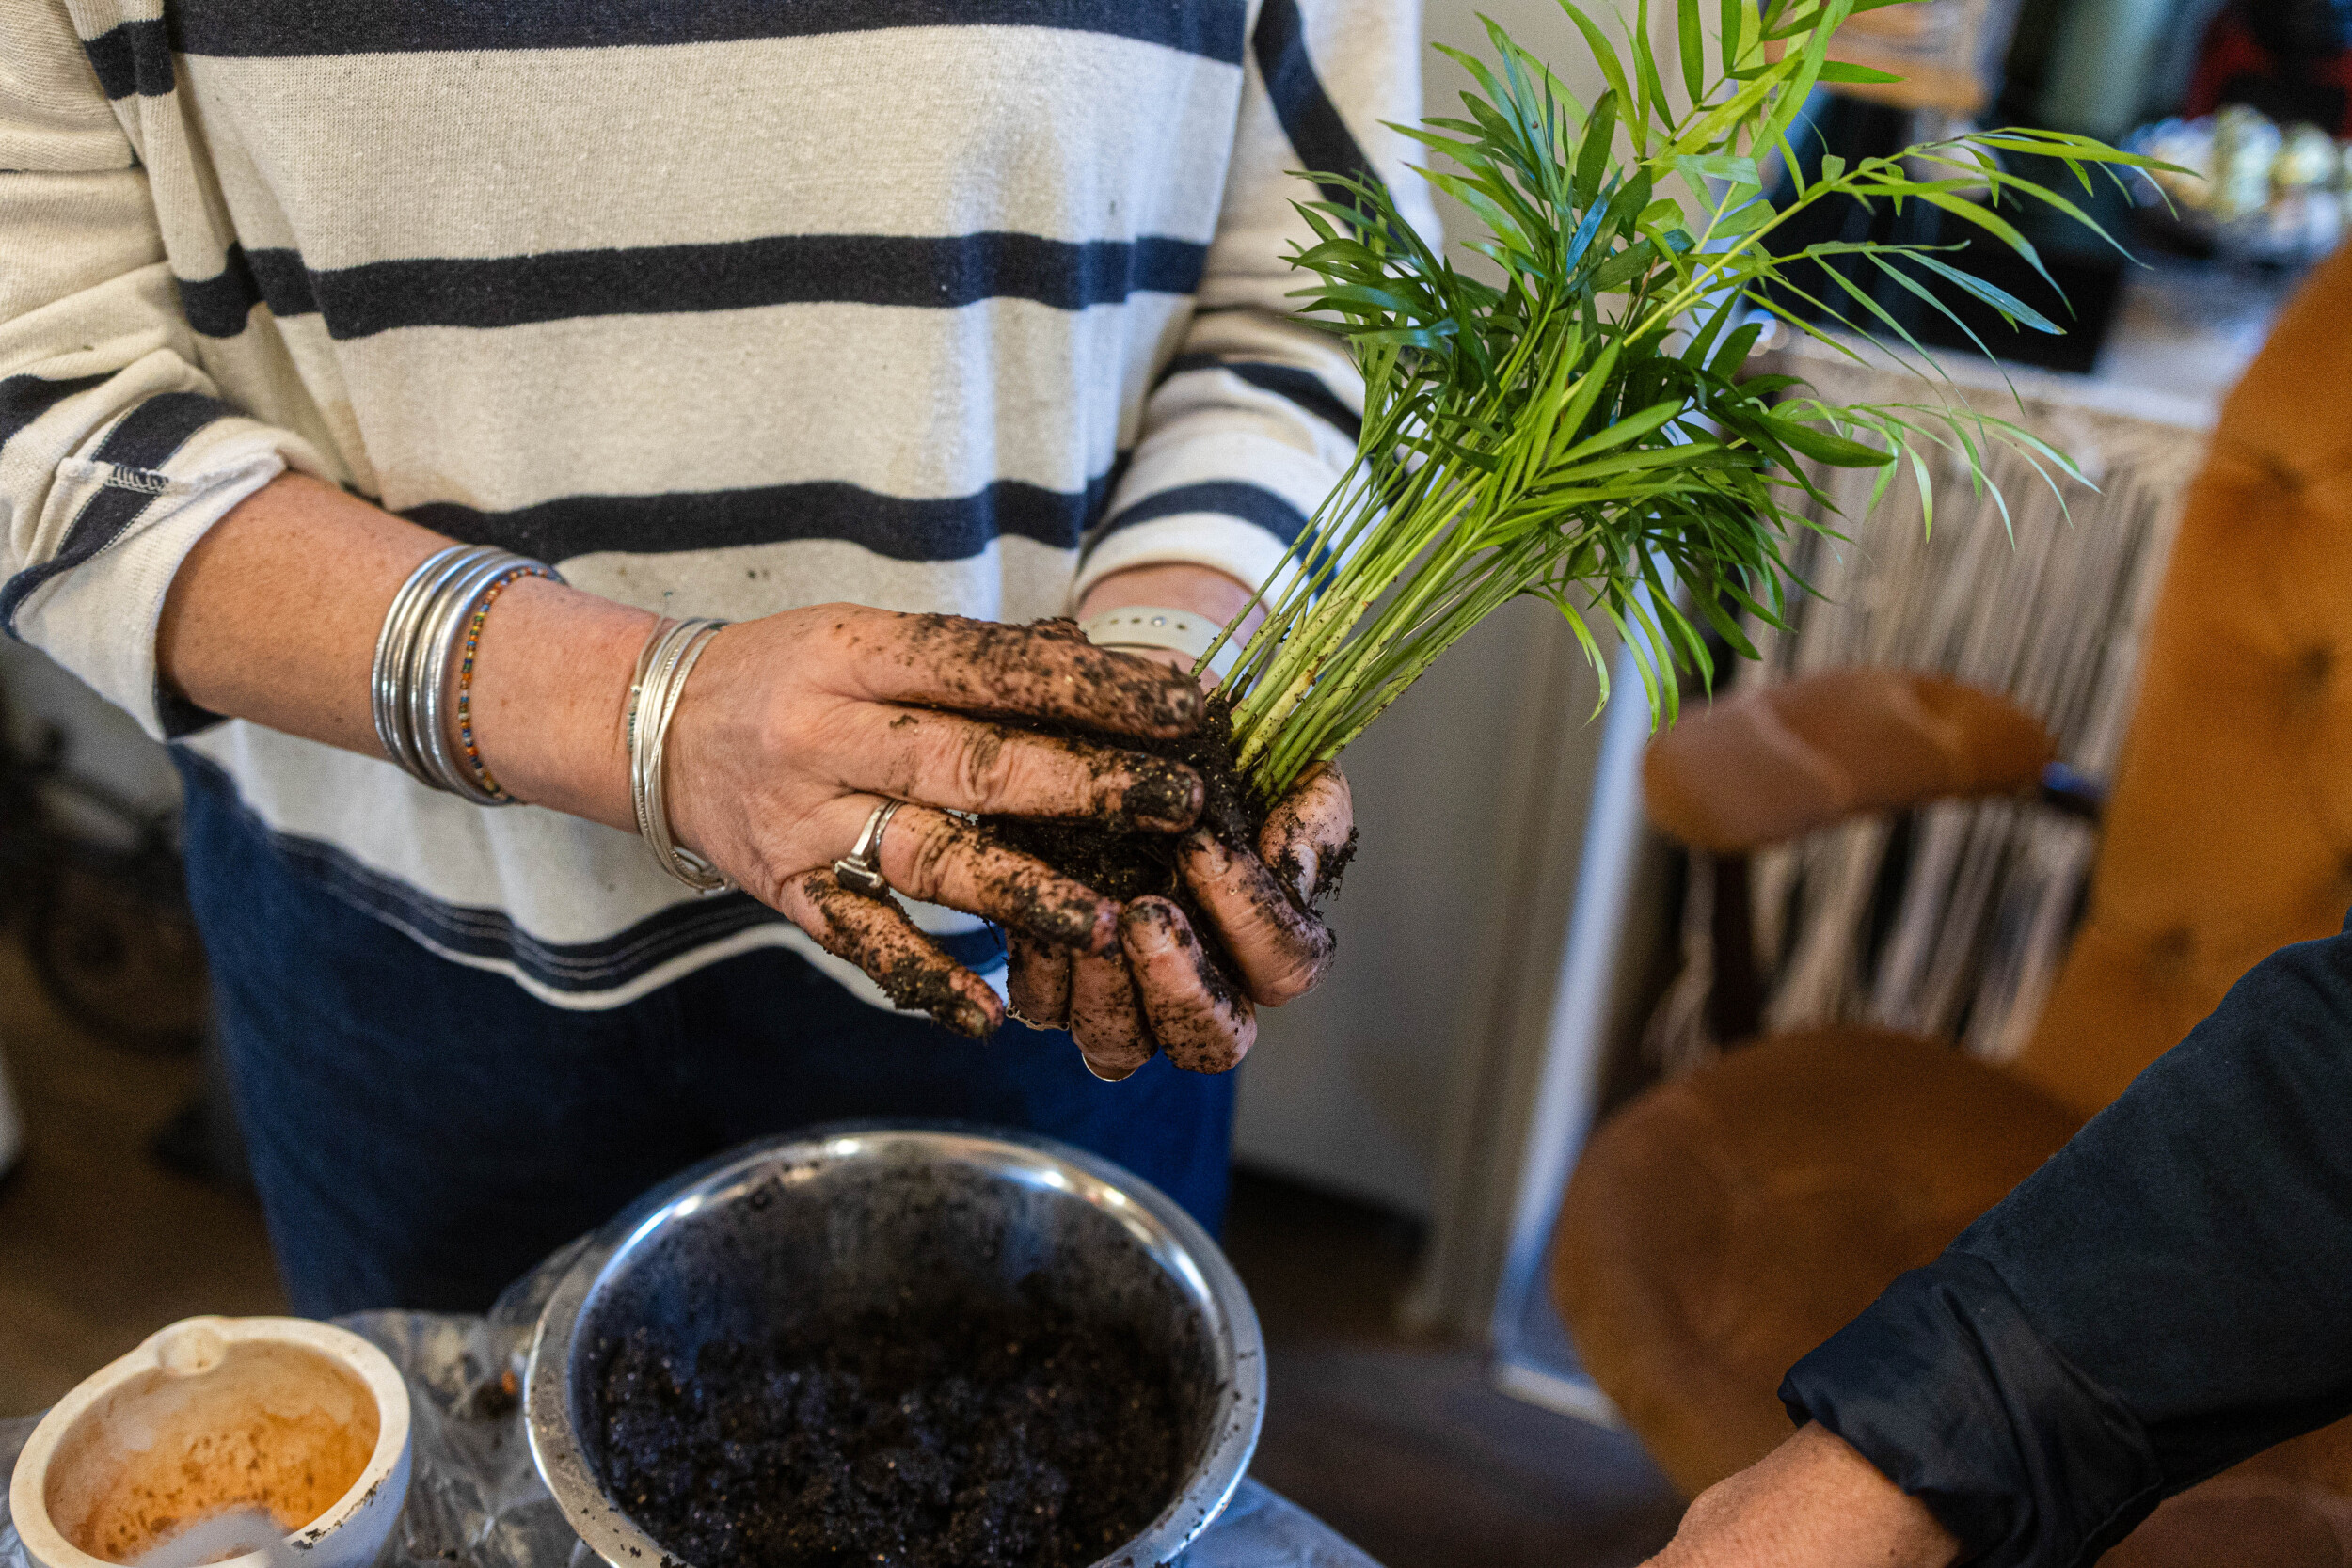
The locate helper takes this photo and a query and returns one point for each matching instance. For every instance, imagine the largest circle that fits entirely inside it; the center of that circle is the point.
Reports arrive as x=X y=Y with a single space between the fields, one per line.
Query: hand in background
x=1813 y=1502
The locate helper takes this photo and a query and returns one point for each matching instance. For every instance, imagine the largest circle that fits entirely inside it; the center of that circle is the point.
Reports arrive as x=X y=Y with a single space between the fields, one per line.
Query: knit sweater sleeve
x=116 y=450
x=1256 y=418
x=2163 y=1298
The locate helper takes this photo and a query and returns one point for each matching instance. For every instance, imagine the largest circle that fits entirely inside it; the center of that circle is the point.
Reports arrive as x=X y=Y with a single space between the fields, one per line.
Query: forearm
x=1812 y=1503
x=274 y=613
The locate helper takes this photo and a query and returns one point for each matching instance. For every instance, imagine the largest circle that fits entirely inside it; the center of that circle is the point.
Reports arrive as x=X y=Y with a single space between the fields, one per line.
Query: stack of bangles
x=425 y=659
x=423 y=691
x=662 y=665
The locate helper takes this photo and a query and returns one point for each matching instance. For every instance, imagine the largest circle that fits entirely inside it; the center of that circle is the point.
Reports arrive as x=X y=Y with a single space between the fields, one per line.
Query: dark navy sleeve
x=2170 y=1293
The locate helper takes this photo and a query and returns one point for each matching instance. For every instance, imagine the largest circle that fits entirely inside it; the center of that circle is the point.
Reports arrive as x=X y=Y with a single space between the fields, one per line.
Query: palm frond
x=1583 y=432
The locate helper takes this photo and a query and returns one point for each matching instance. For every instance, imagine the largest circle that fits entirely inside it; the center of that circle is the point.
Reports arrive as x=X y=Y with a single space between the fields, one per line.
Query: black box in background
x=2089 y=271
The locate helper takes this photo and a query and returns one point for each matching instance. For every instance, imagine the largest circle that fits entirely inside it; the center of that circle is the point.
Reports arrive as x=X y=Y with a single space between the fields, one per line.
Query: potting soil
x=918 y=1435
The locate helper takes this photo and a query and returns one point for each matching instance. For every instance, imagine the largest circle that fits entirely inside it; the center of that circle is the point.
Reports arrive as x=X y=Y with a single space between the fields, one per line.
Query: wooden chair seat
x=1723 y=1225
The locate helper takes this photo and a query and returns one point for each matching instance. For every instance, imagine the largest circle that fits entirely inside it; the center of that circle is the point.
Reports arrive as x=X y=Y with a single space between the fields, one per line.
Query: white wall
x=1353 y=1088
x=1539 y=27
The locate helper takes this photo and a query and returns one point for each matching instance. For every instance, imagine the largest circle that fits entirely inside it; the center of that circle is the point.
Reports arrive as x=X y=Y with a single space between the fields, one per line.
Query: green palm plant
x=1580 y=430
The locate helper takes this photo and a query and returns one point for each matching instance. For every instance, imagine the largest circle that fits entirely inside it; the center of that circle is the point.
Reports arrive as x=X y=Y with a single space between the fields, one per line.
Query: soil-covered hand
x=795 y=727
x=1159 y=990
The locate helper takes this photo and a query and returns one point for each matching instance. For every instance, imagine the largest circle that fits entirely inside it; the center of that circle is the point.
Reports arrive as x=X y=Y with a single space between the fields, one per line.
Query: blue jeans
x=421 y=1132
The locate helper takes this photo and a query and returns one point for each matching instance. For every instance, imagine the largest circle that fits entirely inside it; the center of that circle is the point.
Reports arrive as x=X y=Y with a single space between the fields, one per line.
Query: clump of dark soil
x=1126 y=862
x=1121 y=862
x=965 y=1435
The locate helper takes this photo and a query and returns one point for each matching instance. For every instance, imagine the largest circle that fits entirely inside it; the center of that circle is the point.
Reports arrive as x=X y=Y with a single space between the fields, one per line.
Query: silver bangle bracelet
x=667 y=659
x=395 y=654
x=637 y=681
x=416 y=653
x=384 y=682
x=436 y=672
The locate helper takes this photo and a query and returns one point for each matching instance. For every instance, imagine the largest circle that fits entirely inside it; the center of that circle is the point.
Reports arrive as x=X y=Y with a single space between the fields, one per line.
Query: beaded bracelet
x=434 y=669
x=480 y=769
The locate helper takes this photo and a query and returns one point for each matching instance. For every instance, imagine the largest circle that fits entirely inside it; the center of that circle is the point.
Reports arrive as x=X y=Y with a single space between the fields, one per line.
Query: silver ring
x=860 y=870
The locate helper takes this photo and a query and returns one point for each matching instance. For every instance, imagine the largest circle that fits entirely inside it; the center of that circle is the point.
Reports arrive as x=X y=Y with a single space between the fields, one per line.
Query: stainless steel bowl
x=847 y=1214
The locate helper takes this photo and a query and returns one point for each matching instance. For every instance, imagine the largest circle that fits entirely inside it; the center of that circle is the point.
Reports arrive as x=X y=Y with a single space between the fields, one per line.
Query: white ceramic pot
x=214 y=1416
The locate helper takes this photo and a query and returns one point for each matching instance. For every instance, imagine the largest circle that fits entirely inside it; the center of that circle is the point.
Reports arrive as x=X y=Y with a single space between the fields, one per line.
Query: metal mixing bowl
x=848 y=1215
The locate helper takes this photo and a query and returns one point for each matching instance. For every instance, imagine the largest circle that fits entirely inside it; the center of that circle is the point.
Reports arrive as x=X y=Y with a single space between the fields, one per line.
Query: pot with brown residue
x=221 y=1441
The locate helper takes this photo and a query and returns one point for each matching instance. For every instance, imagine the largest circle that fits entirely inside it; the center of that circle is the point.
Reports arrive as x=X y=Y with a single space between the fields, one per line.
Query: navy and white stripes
x=726 y=306
x=914 y=272
x=130 y=454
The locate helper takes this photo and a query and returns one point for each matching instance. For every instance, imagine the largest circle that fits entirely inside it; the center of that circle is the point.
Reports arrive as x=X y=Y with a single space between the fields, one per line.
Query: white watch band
x=1157 y=626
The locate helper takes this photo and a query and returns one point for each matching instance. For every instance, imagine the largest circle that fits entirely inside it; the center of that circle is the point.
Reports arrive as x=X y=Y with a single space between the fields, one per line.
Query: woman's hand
x=793 y=728
x=1159 y=990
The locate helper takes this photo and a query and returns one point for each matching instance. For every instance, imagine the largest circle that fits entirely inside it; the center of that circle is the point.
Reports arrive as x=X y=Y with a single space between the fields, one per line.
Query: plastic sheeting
x=475 y=1500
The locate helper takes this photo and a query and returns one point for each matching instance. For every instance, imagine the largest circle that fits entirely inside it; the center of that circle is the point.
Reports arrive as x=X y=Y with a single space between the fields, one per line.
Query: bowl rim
x=29 y=1489
x=563 y=1463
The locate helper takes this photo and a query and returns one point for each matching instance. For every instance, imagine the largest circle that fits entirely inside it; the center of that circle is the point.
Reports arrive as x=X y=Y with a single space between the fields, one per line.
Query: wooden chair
x=1723 y=1223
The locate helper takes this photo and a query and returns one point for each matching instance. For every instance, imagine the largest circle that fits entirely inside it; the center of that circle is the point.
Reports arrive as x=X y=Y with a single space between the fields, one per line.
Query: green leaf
x=1991 y=222
x=1703 y=342
x=1750 y=215
x=1625 y=430
x=2007 y=304
x=1627 y=263
x=1735 y=170
x=1823 y=447
x=1651 y=97
x=1888 y=266
x=1711 y=129
x=1604 y=56
x=1599 y=130
x=1692 y=47
x=1593 y=382
x=1731 y=17
x=1734 y=352
x=1844 y=70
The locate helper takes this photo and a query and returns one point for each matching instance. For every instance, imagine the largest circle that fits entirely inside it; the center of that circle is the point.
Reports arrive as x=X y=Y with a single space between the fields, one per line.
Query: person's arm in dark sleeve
x=2165 y=1297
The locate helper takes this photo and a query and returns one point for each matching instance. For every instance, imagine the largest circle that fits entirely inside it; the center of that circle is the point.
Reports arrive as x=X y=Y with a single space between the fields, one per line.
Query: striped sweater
x=723 y=306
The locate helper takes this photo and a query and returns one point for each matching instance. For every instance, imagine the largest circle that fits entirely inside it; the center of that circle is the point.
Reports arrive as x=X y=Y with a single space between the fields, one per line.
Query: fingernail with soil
x=1166 y=796
x=1180 y=703
x=1214 y=856
x=1304 y=875
x=1144 y=926
x=1089 y=927
x=968 y=1019
x=1108 y=1075
x=1101 y=936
